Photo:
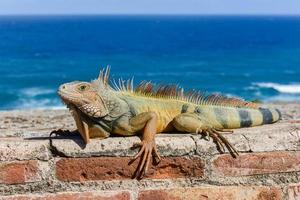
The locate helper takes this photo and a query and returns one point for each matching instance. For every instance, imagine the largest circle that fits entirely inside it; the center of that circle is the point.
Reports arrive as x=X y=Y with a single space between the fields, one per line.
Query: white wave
x=35 y=91
x=25 y=103
x=293 y=88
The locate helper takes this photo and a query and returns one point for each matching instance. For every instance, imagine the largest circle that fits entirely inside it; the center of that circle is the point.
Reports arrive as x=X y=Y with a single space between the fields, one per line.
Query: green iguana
x=100 y=109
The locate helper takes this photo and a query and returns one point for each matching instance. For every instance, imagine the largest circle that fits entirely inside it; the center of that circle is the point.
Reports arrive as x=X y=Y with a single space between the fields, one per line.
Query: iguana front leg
x=147 y=123
x=194 y=123
x=88 y=129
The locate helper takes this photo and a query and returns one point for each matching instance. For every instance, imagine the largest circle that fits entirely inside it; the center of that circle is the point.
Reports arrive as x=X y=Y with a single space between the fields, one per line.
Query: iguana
x=102 y=107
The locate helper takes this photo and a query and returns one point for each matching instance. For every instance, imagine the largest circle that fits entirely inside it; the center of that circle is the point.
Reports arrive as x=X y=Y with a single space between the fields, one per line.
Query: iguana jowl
x=100 y=108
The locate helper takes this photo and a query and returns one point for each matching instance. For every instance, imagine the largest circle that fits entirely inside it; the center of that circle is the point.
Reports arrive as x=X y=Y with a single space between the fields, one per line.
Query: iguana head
x=95 y=99
x=85 y=96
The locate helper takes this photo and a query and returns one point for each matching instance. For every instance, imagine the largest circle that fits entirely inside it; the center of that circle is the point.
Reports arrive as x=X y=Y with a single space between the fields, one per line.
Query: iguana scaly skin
x=100 y=109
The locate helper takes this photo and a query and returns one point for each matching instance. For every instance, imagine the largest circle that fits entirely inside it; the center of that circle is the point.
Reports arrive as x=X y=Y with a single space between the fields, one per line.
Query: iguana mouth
x=65 y=100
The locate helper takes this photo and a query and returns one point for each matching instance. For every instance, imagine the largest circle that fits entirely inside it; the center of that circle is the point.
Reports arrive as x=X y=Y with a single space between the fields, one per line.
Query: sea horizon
x=153 y=14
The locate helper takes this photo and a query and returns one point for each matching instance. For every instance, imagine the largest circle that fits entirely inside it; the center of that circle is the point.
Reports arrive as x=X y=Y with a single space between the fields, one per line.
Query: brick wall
x=192 y=168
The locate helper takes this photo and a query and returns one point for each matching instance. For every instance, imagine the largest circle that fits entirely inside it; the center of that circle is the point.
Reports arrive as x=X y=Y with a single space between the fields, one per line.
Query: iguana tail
x=230 y=118
x=260 y=116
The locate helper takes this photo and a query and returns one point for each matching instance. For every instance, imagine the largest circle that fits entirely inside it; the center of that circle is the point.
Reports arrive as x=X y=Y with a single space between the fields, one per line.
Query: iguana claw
x=147 y=149
x=221 y=141
x=59 y=132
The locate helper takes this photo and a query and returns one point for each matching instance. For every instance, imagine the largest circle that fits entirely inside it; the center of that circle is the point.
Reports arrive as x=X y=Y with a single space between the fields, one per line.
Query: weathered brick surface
x=19 y=172
x=214 y=193
x=257 y=163
x=111 y=168
x=28 y=166
x=294 y=191
x=19 y=149
x=167 y=144
x=118 y=195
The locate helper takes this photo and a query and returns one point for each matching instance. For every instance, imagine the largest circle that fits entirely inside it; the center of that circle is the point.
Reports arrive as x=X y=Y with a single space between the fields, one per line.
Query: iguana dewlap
x=101 y=109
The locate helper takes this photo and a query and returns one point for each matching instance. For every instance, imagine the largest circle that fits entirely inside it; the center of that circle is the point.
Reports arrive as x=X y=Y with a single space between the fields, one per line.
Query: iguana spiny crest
x=97 y=97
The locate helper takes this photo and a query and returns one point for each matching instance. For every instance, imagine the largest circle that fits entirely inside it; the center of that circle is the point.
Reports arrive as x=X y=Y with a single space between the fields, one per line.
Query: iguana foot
x=220 y=140
x=60 y=132
x=193 y=123
x=147 y=150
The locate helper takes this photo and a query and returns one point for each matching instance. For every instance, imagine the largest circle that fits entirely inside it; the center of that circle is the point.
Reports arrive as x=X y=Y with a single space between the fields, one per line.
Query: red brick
x=294 y=191
x=257 y=163
x=111 y=168
x=214 y=193
x=120 y=195
x=19 y=172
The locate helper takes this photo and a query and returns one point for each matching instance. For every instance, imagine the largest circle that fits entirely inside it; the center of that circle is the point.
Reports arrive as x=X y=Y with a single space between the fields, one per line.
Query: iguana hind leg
x=193 y=123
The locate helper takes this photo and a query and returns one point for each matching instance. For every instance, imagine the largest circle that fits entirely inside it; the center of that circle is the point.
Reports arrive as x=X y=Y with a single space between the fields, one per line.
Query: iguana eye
x=82 y=87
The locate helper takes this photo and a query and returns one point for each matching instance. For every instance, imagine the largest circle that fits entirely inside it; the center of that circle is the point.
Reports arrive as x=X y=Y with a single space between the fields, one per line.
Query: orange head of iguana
x=95 y=99
x=85 y=96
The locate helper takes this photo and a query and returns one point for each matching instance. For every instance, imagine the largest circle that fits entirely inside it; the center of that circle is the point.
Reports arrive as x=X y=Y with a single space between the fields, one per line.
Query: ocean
x=252 y=57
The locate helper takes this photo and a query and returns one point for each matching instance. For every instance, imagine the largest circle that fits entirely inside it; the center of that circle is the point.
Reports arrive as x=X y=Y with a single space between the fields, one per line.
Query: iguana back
x=221 y=112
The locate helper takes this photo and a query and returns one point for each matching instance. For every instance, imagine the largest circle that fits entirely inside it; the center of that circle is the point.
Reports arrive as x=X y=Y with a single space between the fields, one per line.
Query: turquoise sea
x=253 y=57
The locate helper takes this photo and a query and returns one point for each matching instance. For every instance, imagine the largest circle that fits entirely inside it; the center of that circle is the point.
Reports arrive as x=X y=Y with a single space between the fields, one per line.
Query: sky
x=200 y=7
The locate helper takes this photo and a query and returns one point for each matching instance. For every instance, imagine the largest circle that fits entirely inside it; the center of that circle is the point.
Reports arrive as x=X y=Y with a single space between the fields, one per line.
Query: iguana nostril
x=62 y=87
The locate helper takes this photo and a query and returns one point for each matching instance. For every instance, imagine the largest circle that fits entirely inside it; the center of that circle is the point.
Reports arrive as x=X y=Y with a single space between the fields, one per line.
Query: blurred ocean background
x=254 y=57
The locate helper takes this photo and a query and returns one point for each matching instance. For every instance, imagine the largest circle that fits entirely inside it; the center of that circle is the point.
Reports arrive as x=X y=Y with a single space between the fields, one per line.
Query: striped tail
x=234 y=117
x=260 y=116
